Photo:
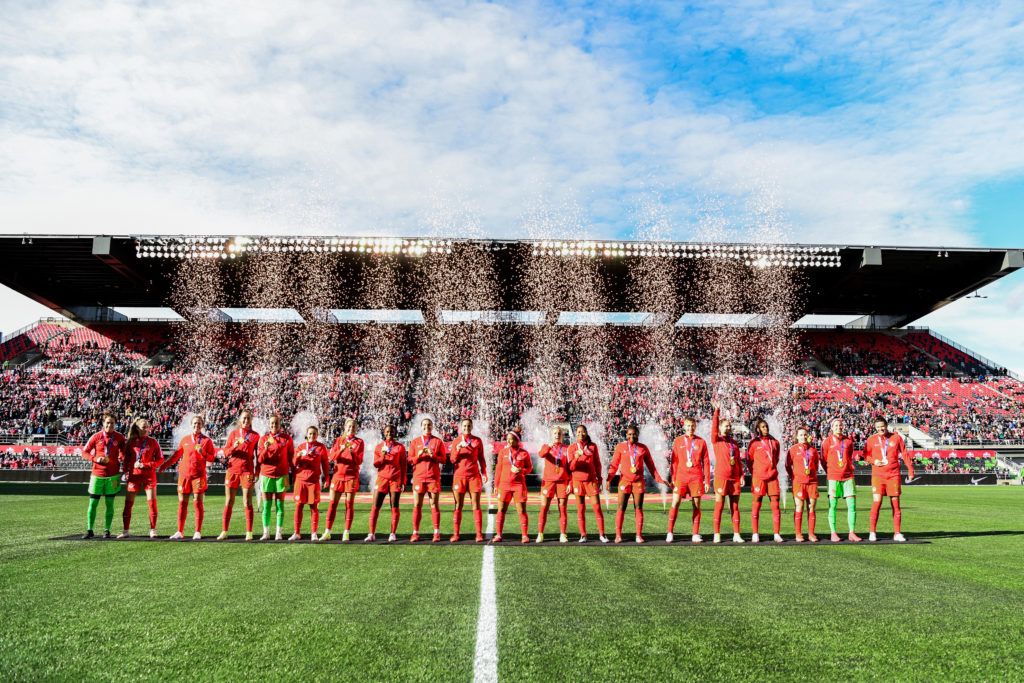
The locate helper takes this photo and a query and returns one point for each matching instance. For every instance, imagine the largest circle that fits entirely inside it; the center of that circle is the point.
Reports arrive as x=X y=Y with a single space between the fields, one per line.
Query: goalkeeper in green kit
x=106 y=451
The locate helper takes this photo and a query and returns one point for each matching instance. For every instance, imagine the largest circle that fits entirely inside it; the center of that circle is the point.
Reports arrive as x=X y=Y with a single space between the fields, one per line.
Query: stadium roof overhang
x=86 y=277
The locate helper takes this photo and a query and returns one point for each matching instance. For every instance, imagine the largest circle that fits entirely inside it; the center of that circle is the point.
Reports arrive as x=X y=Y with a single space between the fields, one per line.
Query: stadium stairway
x=919 y=439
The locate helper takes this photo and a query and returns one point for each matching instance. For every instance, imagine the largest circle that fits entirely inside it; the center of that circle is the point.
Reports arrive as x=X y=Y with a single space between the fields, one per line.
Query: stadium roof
x=86 y=277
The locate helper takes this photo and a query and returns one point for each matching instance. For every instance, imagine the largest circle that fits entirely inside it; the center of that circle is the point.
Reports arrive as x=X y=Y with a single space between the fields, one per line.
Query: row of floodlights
x=760 y=256
x=218 y=247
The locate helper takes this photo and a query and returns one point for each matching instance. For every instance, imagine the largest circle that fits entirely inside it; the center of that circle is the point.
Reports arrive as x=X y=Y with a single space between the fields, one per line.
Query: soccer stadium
x=646 y=347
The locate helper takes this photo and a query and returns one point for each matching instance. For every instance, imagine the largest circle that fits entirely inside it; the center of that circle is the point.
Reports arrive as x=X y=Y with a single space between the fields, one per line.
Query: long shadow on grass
x=961 y=534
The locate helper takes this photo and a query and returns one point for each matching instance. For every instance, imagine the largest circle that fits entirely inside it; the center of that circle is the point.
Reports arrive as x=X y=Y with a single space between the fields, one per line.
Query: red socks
x=776 y=516
x=543 y=515
x=456 y=521
x=349 y=514
x=332 y=512
x=152 y=513
x=734 y=507
x=672 y=519
x=717 y=519
x=314 y=517
x=298 y=517
x=755 y=515
x=875 y=507
x=812 y=517
x=501 y=522
x=417 y=517
x=599 y=515
x=563 y=517
x=198 y=504
x=374 y=511
x=798 y=520
x=620 y=515
x=696 y=521
x=524 y=523
x=396 y=513
x=638 y=517
x=126 y=516
x=249 y=515
x=581 y=519
x=897 y=514
x=226 y=520
x=435 y=517
x=478 y=520
x=182 y=515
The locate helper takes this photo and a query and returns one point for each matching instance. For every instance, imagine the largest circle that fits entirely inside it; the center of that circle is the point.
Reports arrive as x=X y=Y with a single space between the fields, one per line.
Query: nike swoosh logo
x=908 y=480
x=975 y=481
x=55 y=477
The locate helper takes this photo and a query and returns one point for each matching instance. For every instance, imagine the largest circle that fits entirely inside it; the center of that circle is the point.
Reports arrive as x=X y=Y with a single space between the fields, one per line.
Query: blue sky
x=874 y=122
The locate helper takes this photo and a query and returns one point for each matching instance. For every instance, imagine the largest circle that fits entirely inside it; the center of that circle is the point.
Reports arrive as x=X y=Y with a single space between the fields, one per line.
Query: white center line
x=485 y=665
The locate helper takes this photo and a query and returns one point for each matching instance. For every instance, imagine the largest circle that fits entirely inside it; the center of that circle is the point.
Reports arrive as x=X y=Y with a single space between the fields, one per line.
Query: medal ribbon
x=632 y=459
x=689 y=452
x=767 y=445
x=807 y=461
x=885 y=450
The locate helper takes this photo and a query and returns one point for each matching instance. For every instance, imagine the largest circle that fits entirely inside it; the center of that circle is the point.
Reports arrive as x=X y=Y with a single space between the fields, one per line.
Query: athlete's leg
x=151 y=501
x=247 y=494
x=638 y=514
x=620 y=512
x=581 y=514
x=598 y=512
x=776 y=515
x=229 y=504
x=378 y=501
x=673 y=511
x=396 y=511
x=197 y=503
x=716 y=520
x=126 y=515
x=478 y=515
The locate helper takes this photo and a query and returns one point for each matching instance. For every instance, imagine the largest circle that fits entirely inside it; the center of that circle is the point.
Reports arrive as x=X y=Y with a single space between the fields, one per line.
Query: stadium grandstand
x=116 y=345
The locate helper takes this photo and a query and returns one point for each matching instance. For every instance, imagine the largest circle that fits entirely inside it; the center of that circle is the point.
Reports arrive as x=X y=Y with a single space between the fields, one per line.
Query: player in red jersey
x=837 y=453
x=392 y=464
x=802 y=463
x=728 y=473
x=240 y=450
x=106 y=451
x=143 y=457
x=347 y=456
x=690 y=472
x=195 y=451
x=585 y=465
x=466 y=452
x=510 y=472
x=426 y=454
x=634 y=456
x=555 y=483
x=883 y=450
x=274 y=455
x=310 y=464
x=763 y=455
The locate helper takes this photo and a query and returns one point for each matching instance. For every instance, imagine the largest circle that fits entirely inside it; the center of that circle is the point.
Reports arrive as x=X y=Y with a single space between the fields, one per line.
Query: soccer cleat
x=392 y=538
x=696 y=538
x=197 y=536
x=266 y=535
x=106 y=533
x=736 y=538
x=344 y=536
x=618 y=539
x=540 y=538
x=248 y=535
x=640 y=539
x=854 y=538
x=88 y=534
x=369 y=538
x=778 y=538
x=415 y=537
x=899 y=538
x=479 y=538
x=812 y=538
x=152 y=533
x=123 y=534
x=436 y=538
x=278 y=536
x=295 y=537
x=562 y=538
x=603 y=539
x=754 y=538
x=872 y=537
x=717 y=538
x=583 y=539
x=669 y=537
x=525 y=539
x=496 y=539
x=454 y=538
x=177 y=536
x=835 y=537
x=314 y=537
x=326 y=536
x=222 y=535
x=799 y=538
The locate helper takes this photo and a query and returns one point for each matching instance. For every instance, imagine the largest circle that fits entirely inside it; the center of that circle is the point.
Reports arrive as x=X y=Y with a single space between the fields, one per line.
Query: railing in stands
x=973 y=354
x=30 y=326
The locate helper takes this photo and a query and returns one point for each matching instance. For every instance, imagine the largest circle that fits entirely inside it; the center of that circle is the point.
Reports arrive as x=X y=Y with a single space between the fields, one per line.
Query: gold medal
x=807 y=470
x=633 y=470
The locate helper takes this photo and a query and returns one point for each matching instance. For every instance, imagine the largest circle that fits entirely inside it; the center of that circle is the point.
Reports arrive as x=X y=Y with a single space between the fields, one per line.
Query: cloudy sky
x=870 y=123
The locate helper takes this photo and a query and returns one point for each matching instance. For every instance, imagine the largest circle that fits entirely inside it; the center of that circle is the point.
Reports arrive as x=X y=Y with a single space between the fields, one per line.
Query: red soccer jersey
x=144 y=455
x=347 y=456
x=883 y=452
x=505 y=478
x=390 y=460
x=585 y=462
x=690 y=460
x=311 y=463
x=275 y=454
x=101 y=445
x=194 y=451
x=727 y=454
x=633 y=458
x=838 y=456
x=468 y=457
x=556 y=462
x=802 y=464
x=763 y=455
x=426 y=456
x=240 y=450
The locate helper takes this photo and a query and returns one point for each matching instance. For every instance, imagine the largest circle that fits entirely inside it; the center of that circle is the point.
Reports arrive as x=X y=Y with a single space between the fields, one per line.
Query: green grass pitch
x=951 y=609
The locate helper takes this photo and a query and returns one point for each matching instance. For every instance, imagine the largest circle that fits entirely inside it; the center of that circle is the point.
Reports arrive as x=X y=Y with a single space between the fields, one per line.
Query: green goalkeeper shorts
x=274 y=484
x=104 y=486
x=841 y=489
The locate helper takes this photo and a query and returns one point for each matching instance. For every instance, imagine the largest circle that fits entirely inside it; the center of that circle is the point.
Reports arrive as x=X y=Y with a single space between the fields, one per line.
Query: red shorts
x=690 y=488
x=307 y=492
x=636 y=487
x=344 y=485
x=728 y=487
x=765 y=488
x=519 y=493
x=388 y=486
x=554 y=489
x=141 y=481
x=194 y=485
x=585 y=488
x=471 y=484
x=234 y=480
x=805 y=491
x=885 y=487
x=427 y=486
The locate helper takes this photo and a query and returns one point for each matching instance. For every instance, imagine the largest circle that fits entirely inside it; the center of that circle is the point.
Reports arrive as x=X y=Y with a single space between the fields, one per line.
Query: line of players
x=269 y=460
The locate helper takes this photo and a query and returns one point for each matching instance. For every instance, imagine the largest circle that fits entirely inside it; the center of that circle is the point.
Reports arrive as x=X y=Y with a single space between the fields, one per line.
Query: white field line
x=485 y=664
